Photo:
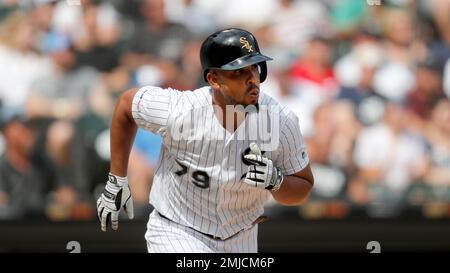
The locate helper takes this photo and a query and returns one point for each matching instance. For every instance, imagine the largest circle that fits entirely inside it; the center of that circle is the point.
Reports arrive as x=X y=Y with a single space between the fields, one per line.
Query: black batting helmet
x=232 y=49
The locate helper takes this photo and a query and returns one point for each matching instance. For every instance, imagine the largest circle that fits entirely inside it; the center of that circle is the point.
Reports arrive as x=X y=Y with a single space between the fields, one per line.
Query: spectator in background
x=331 y=145
x=20 y=63
x=249 y=14
x=440 y=45
x=41 y=14
x=157 y=42
x=388 y=160
x=59 y=101
x=402 y=50
x=65 y=94
x=24 y=181
x=313 y=71
x=92 y=28
x=344 y=137
x=311 y=78
x=294 y=23
x=189 y=77
x=438 y=136
x=427 y=91
x=193 y=14
x=320 y=142
x=355 y=72
x=98 y=47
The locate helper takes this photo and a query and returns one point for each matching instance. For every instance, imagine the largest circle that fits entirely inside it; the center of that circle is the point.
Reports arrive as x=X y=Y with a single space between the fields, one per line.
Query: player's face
x=240 y=86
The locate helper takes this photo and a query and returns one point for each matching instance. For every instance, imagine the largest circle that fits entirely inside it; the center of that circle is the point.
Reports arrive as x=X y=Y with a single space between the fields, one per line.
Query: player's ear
x=213 y=79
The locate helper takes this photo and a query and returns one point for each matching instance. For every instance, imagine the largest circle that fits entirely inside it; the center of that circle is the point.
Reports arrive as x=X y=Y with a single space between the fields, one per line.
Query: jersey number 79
x=199 y=178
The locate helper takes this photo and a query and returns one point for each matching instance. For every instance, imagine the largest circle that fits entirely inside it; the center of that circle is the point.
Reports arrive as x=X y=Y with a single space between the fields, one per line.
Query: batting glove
x=115 y=196
x=262 y=173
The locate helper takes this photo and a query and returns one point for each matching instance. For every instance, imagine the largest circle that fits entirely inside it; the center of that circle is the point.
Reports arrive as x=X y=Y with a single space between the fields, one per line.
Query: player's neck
x=229 y=115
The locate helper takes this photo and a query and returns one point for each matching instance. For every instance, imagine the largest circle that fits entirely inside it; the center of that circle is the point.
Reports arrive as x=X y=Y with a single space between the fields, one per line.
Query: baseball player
x=226 y=148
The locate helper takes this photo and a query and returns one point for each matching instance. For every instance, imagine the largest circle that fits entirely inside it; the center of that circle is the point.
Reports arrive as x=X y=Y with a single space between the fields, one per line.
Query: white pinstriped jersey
x=198 y=180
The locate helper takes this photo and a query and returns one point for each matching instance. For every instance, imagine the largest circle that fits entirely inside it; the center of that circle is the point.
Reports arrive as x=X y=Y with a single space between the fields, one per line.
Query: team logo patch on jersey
x=246 y=44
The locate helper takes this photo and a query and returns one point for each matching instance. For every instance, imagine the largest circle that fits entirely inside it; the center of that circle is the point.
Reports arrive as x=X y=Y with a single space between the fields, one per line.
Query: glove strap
x=117 y=180
x=113 y=189
x=114 y=185
x=279 y=180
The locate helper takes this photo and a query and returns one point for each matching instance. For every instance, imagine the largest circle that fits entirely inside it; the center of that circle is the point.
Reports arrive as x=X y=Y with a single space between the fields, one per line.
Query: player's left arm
x=289 y=189
x=295 y=188
x=298 y=179
x=289 y=178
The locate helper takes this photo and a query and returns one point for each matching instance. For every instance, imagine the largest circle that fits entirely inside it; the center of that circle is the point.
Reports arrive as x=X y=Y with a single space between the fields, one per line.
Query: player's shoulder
x=200 y=96
x=155 y=89
x=277 y=108
x=192 y=98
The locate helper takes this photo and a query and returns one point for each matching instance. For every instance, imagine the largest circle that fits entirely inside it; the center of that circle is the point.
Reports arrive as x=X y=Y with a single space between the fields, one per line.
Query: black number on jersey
x=245 y=161
x=182 y=171
x=199 y=178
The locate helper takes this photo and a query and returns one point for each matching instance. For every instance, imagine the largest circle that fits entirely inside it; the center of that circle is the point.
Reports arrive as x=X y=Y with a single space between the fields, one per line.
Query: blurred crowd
x=370 y=84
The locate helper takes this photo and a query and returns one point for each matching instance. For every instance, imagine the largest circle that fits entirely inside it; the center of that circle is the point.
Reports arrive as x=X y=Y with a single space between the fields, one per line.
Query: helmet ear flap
x=263 y=71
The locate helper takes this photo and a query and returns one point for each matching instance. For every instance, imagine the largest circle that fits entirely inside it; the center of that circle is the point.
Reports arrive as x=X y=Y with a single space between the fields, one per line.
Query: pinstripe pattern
x=225 y=207
x=165 y=236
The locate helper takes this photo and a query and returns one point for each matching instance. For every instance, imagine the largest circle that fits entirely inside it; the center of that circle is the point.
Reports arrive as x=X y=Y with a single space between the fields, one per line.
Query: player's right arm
x=117 y=193
x=123 y=131
x=149 y=108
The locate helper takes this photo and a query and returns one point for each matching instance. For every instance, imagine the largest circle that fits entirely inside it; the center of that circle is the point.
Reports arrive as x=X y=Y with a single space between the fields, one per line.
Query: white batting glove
x=262 y=173
x=115 y=196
